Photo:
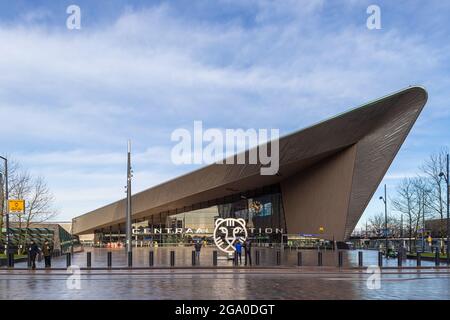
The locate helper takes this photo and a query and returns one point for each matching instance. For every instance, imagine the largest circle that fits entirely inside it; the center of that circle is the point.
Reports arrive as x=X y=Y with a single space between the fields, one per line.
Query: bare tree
x=39 y=207
x=38 y=199
x=432 y=167
x=404 y=202
x=12 y=169
x=423 y=204
x=376 y=225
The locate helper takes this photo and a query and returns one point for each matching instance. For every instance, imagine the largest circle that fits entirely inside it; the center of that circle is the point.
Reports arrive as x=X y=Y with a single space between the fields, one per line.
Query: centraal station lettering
x=153 y=231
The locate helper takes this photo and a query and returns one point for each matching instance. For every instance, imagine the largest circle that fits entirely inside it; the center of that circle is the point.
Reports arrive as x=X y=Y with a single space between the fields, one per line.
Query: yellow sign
x=321 y=229
x=430 y=239
x=16 y=206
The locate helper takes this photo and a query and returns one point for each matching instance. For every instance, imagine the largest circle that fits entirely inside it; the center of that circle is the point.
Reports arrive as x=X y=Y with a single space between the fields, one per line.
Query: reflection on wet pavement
x=225 y=284
x=308 y=282
x=183 y=257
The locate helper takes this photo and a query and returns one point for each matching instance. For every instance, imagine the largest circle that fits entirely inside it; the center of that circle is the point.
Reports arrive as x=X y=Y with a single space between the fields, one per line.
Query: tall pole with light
x=385 y=218
x=128 y=213
x=401 y=226
x=447 y=180
x=8 y=240
x=423 y=220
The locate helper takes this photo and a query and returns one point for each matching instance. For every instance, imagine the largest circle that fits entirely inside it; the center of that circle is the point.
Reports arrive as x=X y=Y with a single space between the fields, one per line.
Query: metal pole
x=2 y=190
x=150 y=259
x=385 y=218
x=360 y=258
x=215 y=258
x=71 y=239
x=401 y=227
x=423 y=221
x=128 y=213
x=8 y=240
x=448 y=213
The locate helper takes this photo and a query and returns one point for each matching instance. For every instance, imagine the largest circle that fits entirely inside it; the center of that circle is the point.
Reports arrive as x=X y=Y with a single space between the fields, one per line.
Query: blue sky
x=69 y=99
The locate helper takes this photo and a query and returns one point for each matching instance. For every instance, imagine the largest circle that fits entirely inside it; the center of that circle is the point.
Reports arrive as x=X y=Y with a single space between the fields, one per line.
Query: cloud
x=72 y=99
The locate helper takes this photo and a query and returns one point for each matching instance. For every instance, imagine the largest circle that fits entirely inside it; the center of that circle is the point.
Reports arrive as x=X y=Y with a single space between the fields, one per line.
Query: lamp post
x=128 y=213
x=423 y=221
x=7 y=208
x=385 y=218
x=447 y=180
x=401 y=227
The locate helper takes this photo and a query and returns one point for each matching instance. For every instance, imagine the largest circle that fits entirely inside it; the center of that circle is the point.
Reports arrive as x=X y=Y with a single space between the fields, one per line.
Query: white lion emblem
x=227 y=232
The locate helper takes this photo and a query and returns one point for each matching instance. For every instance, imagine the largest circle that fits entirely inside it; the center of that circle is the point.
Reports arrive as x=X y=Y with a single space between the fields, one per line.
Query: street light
x=446 y=178
x=128 y=211
x=7 y=209
x=385 y=218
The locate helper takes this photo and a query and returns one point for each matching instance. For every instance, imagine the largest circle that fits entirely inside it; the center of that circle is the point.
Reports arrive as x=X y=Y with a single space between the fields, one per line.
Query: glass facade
x=261 y=209
x=264 y=216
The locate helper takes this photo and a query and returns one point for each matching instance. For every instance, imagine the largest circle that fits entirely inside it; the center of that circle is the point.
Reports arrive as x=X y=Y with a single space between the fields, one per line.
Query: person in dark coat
x=33 y=251
x=47 y=251
x=198 y=247
x=248 y=252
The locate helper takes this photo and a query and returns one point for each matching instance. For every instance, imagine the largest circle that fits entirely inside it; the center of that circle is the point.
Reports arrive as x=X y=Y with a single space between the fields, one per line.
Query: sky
x=70 y=99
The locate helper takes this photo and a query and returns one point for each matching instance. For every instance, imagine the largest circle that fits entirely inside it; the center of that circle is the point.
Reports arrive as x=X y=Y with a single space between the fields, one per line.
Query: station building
x=327 y=174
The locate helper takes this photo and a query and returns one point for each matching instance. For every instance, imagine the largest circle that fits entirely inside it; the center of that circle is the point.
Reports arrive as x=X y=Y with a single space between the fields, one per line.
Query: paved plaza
x=204 y=282
x=302 y=283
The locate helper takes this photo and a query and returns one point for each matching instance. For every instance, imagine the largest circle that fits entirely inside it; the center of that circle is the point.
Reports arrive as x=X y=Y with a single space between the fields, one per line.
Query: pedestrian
x=238 y=247
x=33 y=251
x=198 y=247
x=248 y=252
x=47 y=250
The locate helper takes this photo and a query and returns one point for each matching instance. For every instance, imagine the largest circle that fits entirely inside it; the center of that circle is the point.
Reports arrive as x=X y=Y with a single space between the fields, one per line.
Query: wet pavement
x=295 y=283
x=204 y=282
x=183 y=258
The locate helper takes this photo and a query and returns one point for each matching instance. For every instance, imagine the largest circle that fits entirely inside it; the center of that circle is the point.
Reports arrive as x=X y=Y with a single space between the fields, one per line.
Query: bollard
x=360 y=259
x=319 y=258
x=380 y=259
x=235 y=258
x=436 y=258
x=109 y=259
x=399 y=258
x=215 y=258
x=257 y=257
x=68 y=259
x=29 y=260
x=193 y=257
x=172 y=258
x=11 y=260
x=130 y=259
x=340 y=259
x=418 y=259
x=278 y=257
x=299 y=258
x=150 y=259
x=88 y=259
